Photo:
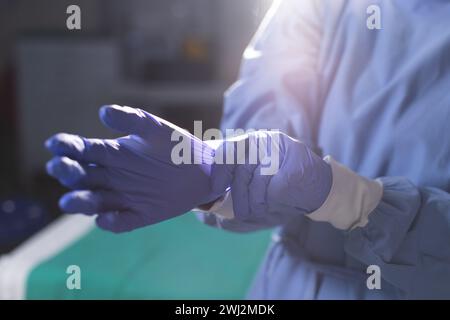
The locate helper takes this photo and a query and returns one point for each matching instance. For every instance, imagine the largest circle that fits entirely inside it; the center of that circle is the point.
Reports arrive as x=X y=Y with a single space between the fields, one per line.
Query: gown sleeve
x=408 y=237
x=278 y=86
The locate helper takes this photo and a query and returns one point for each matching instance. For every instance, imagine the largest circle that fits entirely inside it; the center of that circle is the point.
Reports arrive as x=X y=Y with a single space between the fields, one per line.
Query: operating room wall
x=17 y=19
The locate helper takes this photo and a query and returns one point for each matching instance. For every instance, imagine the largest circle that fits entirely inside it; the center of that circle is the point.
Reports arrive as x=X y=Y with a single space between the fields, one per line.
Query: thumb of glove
x=129 y=120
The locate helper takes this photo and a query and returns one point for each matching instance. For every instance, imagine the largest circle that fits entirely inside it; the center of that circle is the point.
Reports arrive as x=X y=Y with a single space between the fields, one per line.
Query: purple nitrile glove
x=131 y=182
x=287 y=180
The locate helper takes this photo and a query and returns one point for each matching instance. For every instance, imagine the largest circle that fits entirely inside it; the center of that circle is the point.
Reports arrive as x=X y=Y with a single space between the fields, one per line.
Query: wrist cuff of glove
x=222 y=207
x=351 y=199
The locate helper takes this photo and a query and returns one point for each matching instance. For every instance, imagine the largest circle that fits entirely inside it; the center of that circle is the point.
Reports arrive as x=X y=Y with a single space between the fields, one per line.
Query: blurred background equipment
x=61 y=83
x=20 y=218
x=176 y=259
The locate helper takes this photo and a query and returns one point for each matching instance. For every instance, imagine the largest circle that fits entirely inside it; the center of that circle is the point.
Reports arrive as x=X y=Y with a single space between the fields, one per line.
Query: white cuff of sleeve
x=223 y=207
x=351 y=199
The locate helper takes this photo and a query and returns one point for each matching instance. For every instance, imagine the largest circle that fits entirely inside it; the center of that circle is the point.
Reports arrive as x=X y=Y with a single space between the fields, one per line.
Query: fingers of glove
x=79 y=148
x=120 y=221
x=222 y=177
x=239 y=190
x=228 y=156
x=74 y=175
x=92 y=202
x=129 y=120
x=258 y=192
x=133 y=121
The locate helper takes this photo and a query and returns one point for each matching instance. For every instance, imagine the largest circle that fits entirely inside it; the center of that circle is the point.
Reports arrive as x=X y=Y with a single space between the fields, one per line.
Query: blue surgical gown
x=378 y=101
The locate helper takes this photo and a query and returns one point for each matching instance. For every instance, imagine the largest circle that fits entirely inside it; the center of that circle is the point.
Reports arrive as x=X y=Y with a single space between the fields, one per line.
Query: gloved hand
x=299 y=185
x=130 y=182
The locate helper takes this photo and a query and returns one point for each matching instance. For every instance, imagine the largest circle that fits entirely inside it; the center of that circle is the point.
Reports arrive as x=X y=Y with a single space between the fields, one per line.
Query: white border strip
x=17 y=265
